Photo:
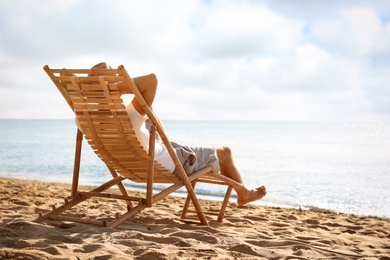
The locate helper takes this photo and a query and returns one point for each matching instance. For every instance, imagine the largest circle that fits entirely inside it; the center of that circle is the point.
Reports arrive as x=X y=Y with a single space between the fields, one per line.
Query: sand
x=247 y=232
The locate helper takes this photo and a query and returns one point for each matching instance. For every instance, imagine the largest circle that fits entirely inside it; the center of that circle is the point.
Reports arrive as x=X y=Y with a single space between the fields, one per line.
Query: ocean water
x=341 y=166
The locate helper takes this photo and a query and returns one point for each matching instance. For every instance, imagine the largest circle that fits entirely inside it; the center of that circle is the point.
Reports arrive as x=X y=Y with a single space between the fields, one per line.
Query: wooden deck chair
x=104 y=123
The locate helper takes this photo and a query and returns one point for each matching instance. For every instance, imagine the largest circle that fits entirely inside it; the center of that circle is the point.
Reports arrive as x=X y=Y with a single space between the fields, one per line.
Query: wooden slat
x=112 y=107
x=112 y=72
x=102 y=118
x=97 y=114
x=113 y=87
x=96 y=97
x=107 y=127
x=78 y=220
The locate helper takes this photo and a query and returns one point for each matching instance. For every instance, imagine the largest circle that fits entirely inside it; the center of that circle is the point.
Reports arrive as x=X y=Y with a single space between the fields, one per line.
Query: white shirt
x=161 y=154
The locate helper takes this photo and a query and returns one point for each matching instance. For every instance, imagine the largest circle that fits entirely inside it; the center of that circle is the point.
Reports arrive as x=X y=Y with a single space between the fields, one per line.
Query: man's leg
x=229 y=169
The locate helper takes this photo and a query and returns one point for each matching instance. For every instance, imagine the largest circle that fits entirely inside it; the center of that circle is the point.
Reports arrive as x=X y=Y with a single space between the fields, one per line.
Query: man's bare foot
x=251 y=195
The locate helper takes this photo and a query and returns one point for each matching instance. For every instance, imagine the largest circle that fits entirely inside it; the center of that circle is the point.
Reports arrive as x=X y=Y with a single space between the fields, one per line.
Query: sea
x=338 y=166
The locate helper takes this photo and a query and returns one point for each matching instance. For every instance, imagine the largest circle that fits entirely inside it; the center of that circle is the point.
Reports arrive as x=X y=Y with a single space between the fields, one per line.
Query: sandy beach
x=247 y=232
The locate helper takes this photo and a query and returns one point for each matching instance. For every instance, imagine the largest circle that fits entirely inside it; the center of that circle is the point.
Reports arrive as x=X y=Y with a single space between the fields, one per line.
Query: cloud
x=260 y=60
x=357 y=32
x=245 y=29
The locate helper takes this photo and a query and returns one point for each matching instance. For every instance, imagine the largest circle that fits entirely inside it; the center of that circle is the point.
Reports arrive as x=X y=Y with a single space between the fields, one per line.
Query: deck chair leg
x=70 y=204
x=149 y=183
x=76 y=166
x=127 y=215
x=225 y=203
x=187 y=202
x=121 y=187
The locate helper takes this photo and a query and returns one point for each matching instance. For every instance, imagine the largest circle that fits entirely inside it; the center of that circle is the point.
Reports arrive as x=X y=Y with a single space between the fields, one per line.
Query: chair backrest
x=102 y=118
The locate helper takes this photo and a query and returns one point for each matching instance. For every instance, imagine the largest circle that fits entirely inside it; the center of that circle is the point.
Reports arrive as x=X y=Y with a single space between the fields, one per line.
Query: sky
x=215 y=60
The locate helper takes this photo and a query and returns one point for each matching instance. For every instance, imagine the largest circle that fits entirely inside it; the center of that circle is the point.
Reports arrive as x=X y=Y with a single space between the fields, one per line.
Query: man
x=192 y=158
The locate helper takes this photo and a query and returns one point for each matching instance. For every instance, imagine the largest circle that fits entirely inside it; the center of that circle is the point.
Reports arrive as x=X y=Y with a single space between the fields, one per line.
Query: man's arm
x=147 y=85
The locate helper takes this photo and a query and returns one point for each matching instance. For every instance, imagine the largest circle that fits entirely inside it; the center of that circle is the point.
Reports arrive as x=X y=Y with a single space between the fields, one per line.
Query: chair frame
x=205 y=175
